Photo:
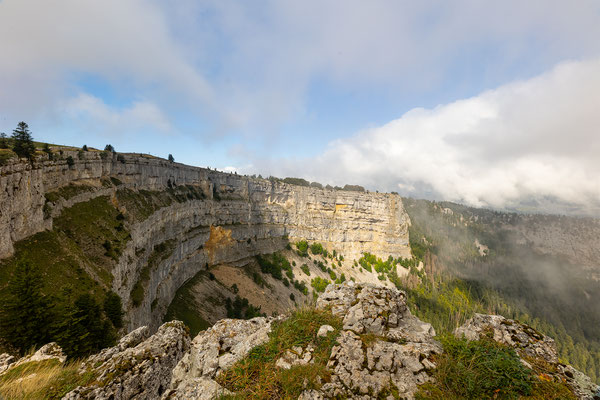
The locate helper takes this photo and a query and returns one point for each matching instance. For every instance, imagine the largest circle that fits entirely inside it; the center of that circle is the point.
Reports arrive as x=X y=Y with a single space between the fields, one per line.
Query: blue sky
x=416 y=97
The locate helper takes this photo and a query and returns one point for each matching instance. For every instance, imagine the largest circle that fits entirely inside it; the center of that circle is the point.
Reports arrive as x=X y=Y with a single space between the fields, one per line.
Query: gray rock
x=212 y=351
x=324 y=330
x=267 y=212
x=5 y=361
x=136 y=369
x=395 y=346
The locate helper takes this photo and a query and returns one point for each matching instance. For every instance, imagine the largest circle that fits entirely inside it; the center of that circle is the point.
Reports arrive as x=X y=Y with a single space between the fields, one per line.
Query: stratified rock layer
x=238 y=217
x=529 y=344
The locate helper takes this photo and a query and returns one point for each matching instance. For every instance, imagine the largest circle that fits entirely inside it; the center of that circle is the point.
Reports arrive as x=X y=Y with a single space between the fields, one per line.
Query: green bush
x=316 y=248
x=319 y=284
x=302 y=247
x=305 y=269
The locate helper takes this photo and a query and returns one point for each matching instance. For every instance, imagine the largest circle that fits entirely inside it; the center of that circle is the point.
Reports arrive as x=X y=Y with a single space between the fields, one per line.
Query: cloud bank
x=537 y=140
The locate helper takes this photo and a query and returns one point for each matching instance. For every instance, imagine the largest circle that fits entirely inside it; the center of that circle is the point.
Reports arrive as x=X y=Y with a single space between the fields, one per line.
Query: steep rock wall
x=239 y=217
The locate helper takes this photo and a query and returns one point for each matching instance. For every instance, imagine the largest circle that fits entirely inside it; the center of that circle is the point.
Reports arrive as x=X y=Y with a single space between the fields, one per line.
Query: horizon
x=449 y=103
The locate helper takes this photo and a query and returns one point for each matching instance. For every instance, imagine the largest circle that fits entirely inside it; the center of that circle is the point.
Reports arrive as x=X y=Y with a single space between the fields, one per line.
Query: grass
x=48 y=379
x=257 y=377
x=184 y=308
x=484 y=369
x=71 y=256
x=68 y=192
x=143 y=203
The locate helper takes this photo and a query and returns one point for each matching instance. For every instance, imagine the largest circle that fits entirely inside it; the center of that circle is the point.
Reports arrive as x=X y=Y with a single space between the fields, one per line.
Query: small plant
x=319 y=284
x=305 y=269
x=302 y=247
x=70 y=161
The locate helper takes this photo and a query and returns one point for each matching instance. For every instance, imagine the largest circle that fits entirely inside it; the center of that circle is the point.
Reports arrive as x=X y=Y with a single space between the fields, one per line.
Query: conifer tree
x=171 y=158
x=23 y=142
x=26 y=318
x=113 y=309
x=3 y=141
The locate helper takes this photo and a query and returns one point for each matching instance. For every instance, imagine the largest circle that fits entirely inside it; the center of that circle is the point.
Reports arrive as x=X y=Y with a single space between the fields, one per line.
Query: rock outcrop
x=233 y=218
x=139 y=367
x=381 y=345
x=530 y=345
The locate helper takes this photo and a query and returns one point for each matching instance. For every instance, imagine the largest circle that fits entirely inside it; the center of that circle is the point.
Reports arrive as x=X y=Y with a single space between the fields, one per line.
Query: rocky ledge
x=381 y=351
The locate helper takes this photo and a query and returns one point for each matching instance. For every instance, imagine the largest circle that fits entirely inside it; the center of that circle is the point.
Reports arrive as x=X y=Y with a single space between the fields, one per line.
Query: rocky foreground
x=380 y=346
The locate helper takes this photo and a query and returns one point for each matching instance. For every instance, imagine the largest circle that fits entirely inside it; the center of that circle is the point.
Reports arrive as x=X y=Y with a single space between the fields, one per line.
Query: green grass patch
x=257 y=377
x=68 y=192
x=184 y=308
x=143 y=203
x=484 y=369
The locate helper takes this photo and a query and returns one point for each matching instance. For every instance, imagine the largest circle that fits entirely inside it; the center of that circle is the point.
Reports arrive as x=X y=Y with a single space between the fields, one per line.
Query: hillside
x=540 y=269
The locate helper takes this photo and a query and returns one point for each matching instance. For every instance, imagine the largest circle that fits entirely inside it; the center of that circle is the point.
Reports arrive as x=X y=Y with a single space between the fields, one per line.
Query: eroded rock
x=381 y=344
x=138 y=367
x=212 y=351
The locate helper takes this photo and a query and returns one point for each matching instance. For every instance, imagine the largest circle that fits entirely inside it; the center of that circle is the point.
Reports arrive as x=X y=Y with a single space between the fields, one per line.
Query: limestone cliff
x=225 y=218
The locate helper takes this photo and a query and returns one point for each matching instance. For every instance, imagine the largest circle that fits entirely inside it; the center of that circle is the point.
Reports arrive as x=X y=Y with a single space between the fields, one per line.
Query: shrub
x=319 y=284
x=316 y=248
x=305 y=269
x=302 y=247
x=70 y=161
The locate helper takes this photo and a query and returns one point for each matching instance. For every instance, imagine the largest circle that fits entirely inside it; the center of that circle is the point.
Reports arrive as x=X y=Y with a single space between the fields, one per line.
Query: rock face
x=138 y=367
x=529 y=344
x=381 y=342
x=238 y=217
x=213 y=351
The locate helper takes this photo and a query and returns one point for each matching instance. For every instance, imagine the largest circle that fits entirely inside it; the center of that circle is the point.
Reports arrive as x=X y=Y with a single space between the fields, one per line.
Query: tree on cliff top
x=3 y=141
x=171 y=158
x=22 y=141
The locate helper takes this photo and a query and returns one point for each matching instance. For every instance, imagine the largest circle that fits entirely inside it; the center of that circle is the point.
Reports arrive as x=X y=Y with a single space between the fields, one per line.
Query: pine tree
x=48 y=151
x=23 y=142
x=171 y=158
x=3 y=141
x=110 y=148
x=26 y=314
x=114 y=309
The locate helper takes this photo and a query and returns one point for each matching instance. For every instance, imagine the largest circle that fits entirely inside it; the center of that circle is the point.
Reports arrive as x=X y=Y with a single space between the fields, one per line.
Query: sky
x=491 y=104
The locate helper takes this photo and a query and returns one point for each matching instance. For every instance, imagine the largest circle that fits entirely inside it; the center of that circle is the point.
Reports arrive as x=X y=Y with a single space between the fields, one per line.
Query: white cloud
x=535 y=139
x=44 y=45
x=98 y=116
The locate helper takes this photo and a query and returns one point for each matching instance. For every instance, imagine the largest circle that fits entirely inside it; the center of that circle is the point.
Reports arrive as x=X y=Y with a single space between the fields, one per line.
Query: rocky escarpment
x=379 y=350
x=222 y=218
